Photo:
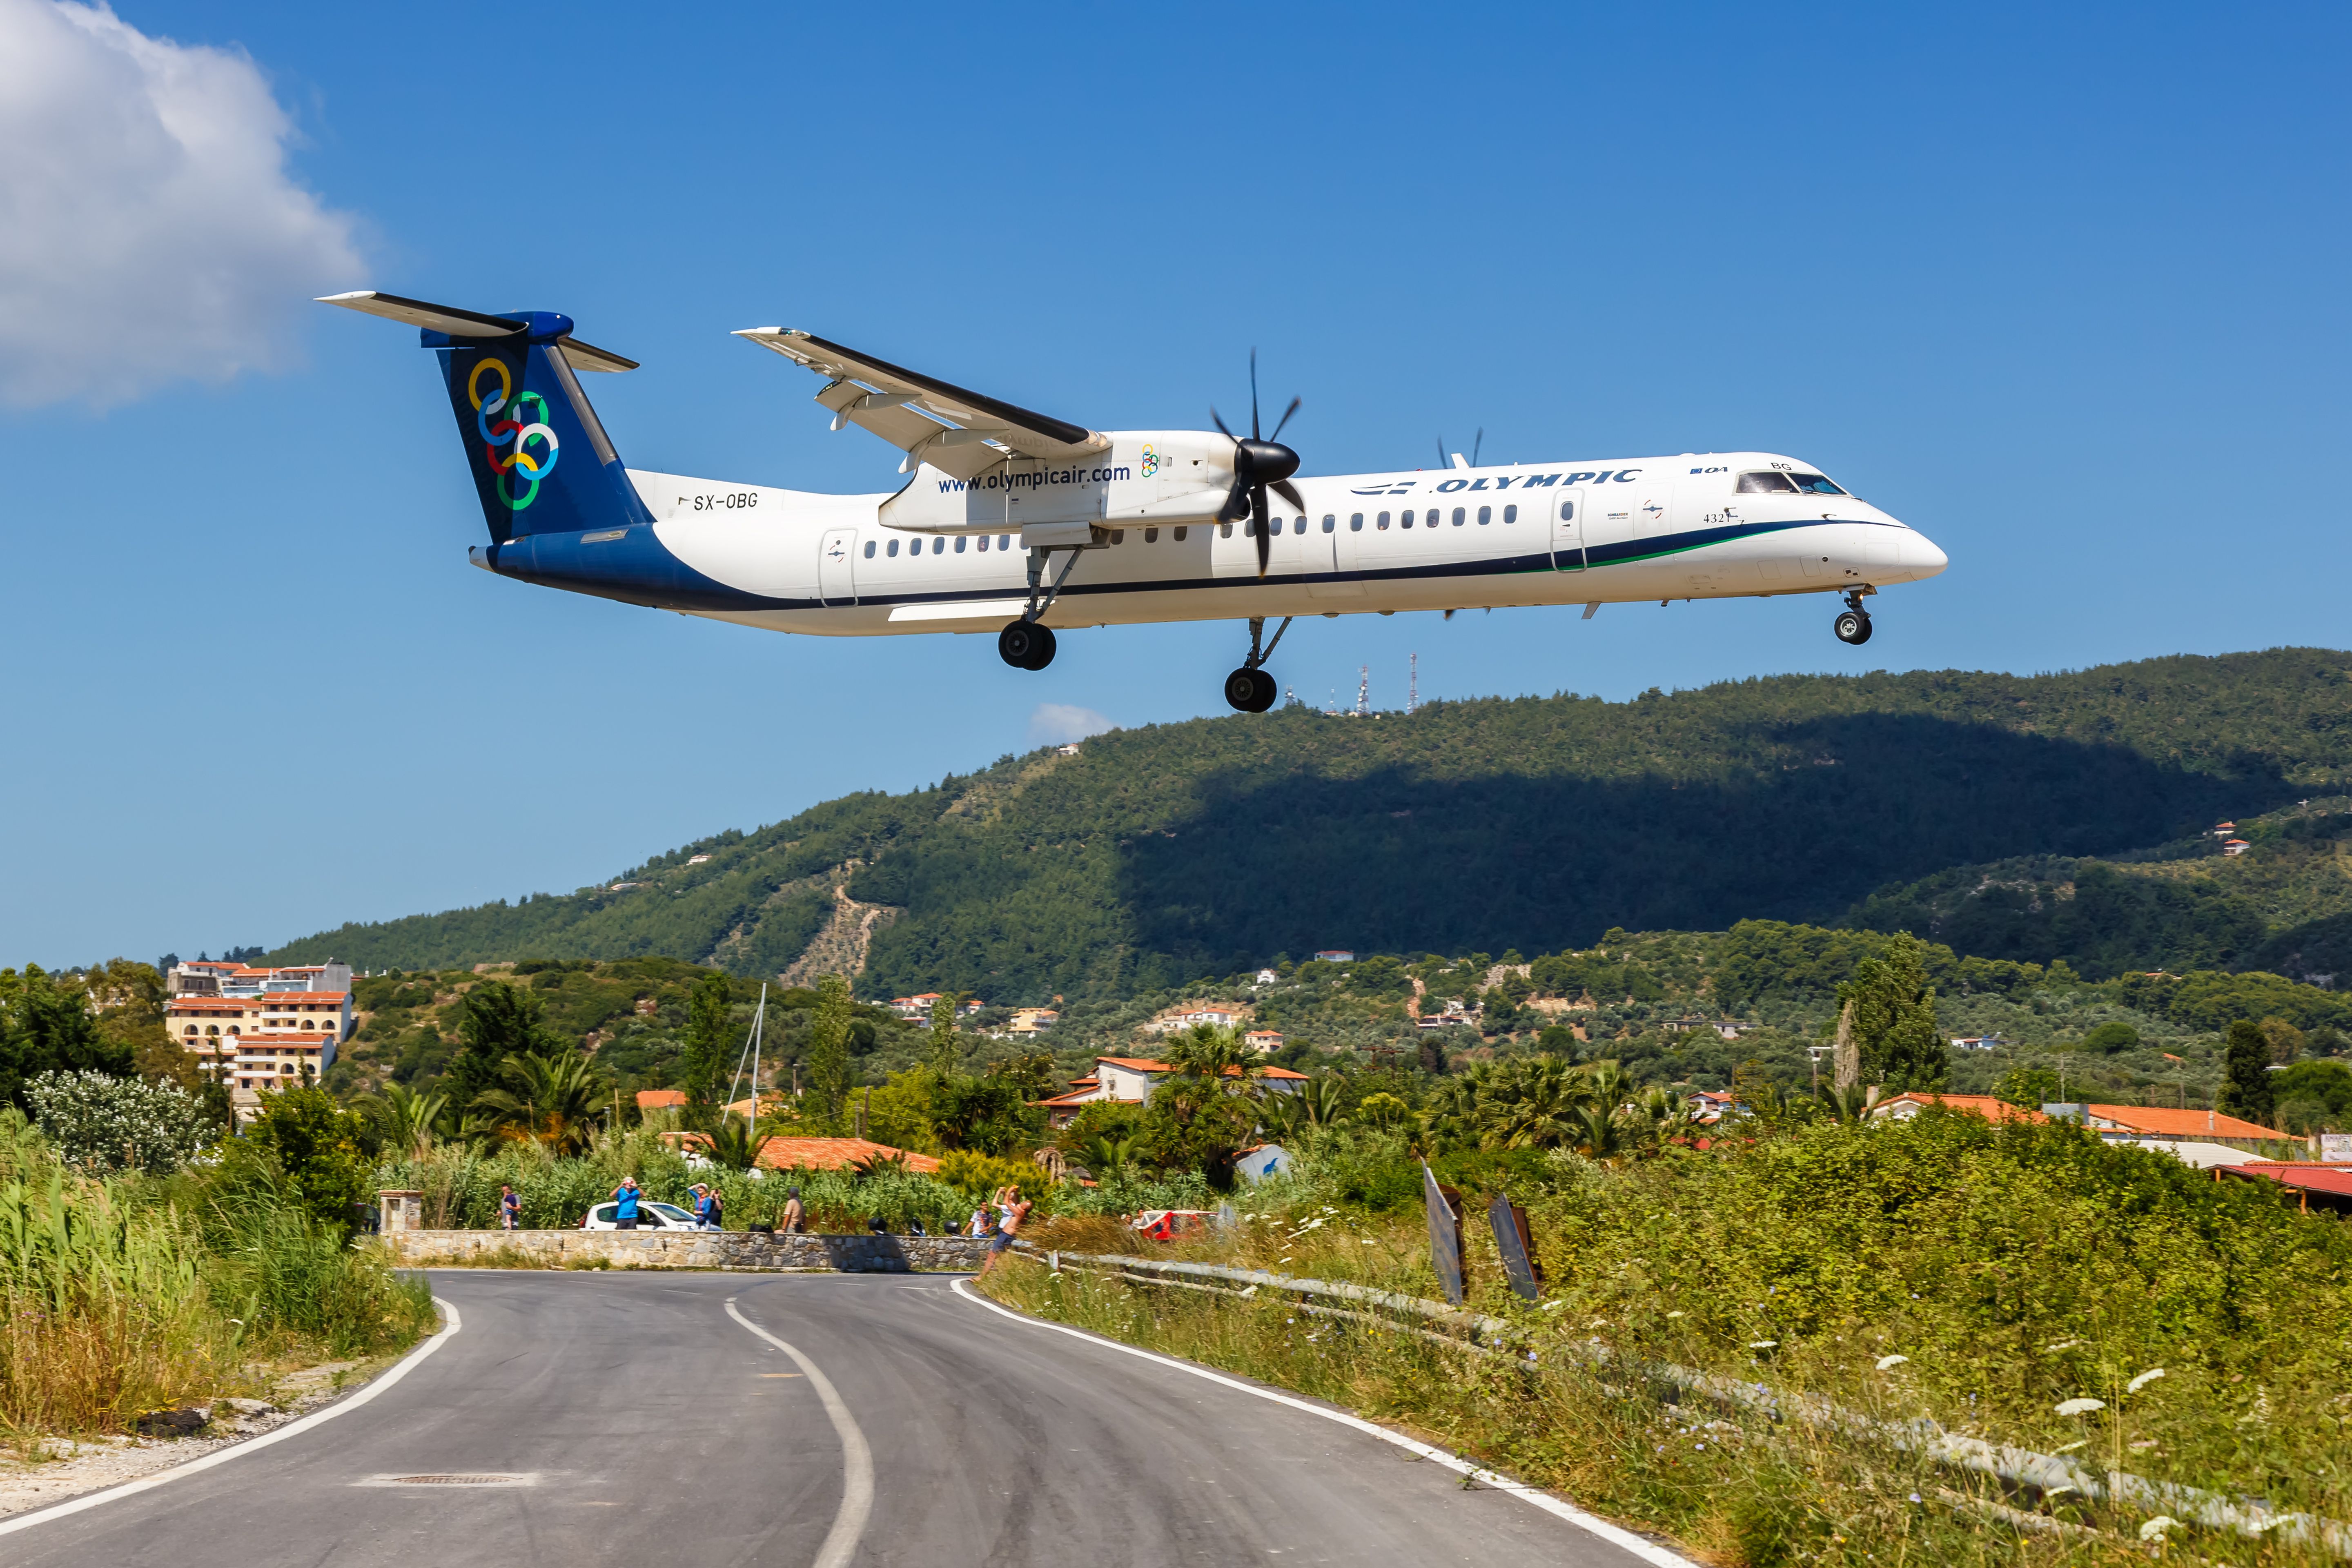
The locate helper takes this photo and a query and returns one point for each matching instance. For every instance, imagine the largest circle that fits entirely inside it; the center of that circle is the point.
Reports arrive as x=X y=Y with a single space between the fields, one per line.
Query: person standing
x=718 y=1209
x=625 y=1196
x=796 y=1218
x=1015 y=1209
x=701 y=1205
x=979 y=1222
x=510 y=1208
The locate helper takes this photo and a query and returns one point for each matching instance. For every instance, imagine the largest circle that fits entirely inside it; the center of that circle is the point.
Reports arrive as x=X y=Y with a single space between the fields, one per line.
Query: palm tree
x=732 y=1145
x=551 y=1100
x=1212 y=1052
x=1312 y=1104
x=404 y=1119
x=1534 y=1104
x=1106 y=1154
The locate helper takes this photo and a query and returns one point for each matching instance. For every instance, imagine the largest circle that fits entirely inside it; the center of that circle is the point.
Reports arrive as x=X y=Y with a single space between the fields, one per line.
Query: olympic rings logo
x=1151 y=464
x=521 y=463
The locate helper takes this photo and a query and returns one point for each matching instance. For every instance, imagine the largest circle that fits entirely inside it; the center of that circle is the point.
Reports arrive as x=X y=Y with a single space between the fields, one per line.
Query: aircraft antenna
x=1363 y=690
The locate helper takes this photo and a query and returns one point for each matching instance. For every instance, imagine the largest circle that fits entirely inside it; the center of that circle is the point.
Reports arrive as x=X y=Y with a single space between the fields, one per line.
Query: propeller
x=1259 y=465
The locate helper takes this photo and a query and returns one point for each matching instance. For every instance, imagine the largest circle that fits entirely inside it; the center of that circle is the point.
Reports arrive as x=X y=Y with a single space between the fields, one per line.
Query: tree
x=1894 y=1019
x=551 y=1100
x=102 y=1124
x=500 y=1021
x=318 y=1146
x=48 y=1026
x=1211 y=1053
x=405 y=1121
x=2031 y=1088
x=708 y=1016
x=2246 y=1079
x=828 y=1050
x=2110 y=1037
x=947 y=1047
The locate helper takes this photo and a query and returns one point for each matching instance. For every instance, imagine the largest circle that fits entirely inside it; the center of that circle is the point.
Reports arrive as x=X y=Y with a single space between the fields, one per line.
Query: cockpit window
x=1766 y=483
x=1814 y=484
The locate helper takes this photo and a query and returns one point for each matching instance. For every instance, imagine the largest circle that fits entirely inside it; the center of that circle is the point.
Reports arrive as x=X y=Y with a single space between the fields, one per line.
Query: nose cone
x=1920 y=554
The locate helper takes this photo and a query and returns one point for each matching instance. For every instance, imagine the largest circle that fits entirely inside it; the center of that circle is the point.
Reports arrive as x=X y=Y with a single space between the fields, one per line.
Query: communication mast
x=1412 y=682
x=1363 y=691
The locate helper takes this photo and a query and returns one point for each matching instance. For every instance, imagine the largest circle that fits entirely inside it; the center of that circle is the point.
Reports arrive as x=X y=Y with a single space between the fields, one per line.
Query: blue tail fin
x=541 y=459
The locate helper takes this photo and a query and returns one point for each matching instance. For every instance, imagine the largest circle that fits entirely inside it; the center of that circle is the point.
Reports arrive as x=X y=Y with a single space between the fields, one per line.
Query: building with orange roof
x=1911 y=1103
x=835 y=1153
x=660 y=1100
x=2171 y=1121
x=2326 y=1187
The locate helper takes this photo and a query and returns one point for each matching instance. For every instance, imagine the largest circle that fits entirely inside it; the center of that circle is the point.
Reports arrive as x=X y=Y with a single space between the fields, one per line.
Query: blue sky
x=2062 y=287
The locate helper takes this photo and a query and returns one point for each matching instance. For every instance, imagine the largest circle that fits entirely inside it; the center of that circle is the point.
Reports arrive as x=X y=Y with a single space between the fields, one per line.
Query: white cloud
x=1057 y=723
x=148 y=229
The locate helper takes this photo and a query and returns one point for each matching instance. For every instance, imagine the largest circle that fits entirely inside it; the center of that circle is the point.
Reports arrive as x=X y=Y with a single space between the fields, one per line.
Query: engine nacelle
x=1146 y=477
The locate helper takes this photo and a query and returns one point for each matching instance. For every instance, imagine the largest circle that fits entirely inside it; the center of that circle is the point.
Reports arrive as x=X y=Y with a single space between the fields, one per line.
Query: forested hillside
x=1202 y=848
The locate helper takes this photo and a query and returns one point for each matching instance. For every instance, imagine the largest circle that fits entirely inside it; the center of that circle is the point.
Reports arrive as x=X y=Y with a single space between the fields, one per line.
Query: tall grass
x=120 y=1296
x=1942 y=1268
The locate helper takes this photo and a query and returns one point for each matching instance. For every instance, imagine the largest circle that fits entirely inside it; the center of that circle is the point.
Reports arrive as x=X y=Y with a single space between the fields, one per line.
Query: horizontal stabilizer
x=453 y=323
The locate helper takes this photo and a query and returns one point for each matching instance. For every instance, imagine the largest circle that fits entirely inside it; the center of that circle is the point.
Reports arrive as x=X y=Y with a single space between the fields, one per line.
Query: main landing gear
x=1853 y=625
x=1250 y=688
x=1028 y=643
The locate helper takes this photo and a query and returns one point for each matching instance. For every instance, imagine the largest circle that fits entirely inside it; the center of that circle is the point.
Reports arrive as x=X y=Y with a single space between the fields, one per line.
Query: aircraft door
x=836 y=574
x=1566 y=507
x=1331 y=542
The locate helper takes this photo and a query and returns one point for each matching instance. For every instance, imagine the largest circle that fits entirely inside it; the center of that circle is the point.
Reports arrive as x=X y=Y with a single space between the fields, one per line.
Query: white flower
x=2079 y=1407
x=2143 y=1379
x=1761 y=1344
x=2061 y=1345
x=1885 y=1362
x=2155 y=1528
x=1553 y=1306
x=1675 y=1314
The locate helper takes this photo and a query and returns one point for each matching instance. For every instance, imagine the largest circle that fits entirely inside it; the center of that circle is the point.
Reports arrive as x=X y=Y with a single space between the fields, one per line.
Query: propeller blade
x=1289 y=492
x=1264 y=540
x=1218 y=420
x=1253 y=435
x=1286 y=418
x=1236 y=505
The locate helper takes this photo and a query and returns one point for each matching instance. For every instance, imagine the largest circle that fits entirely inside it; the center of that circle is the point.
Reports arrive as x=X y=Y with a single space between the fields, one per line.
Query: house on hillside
x=655 y=1100
x=1911 y=1103
x=1263 y=1041
x=1132 y=1079
x=1335 y=955
x=1031 y=1021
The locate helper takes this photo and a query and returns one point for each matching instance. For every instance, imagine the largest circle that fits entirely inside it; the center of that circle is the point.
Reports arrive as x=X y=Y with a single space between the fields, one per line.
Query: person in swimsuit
x=1015 y=1208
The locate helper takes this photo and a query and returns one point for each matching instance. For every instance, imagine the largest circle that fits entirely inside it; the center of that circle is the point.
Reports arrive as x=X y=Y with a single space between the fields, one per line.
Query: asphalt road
x=654 y=1426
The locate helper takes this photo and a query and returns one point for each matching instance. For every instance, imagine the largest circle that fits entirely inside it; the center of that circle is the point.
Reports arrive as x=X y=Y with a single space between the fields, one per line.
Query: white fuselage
x=941 y=555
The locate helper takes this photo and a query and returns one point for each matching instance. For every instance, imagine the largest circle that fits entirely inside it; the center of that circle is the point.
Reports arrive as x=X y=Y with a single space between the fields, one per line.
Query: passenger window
x=1510 y=514
x=1150 y=536
x=938 y=546
x=1568 y=511
x=1765 y=484
x=1458 y=515
x=1408 y=519
x=1118 y=536
x=1224 y=531
x=1485 y=515
x=1330 y=521
x=960 y=541
x=983 y=544
x=1384 y=524
x=870 y=550
x=1180 y=534
x=1814 y=484
x=1004 y=541
x=1355 y=523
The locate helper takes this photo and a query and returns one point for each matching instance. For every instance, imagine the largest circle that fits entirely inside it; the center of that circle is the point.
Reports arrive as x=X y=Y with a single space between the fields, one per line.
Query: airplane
x=1021 y=524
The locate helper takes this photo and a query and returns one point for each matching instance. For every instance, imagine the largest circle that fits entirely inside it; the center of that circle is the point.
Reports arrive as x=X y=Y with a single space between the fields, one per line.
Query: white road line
x=857 y=1459
x=407 y=1364
x=1647 y=1551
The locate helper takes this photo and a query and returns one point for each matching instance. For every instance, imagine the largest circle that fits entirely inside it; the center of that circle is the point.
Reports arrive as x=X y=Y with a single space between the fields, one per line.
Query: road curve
x=656 y=1426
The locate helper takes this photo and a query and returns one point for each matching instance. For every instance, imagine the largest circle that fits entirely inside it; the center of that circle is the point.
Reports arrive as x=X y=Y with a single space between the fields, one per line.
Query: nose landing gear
x=1025 y=645
x=1853 y=625
x=1250 y=688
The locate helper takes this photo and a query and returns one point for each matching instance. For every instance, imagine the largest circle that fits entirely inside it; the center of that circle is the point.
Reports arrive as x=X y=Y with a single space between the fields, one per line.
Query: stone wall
x=864 y=1254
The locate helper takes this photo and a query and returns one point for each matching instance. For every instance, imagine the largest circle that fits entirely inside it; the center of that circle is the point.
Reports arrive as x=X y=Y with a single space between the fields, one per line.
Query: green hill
x=1195 y=848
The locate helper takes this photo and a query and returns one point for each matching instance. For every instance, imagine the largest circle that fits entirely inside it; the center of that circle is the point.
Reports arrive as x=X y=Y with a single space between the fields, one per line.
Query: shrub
x=100 y=1123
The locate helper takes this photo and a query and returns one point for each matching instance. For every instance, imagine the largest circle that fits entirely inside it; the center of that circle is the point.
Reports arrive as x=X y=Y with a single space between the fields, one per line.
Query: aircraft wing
x=957 y=432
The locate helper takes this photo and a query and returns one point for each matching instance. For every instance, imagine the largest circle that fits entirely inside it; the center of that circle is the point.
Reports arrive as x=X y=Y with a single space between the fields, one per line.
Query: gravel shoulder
x=67 y=1468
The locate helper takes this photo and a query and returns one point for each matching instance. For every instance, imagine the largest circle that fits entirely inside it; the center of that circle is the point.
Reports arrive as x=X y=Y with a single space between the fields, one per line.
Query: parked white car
x=650 y=1217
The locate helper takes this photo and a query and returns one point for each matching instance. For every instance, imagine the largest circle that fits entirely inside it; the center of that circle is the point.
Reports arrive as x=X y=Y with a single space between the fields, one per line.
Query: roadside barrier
x=2049 y=1475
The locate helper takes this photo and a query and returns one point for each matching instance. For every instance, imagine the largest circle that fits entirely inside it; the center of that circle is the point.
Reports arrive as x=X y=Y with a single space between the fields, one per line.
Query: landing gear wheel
x=1251 y=691
x=1853 y=626
x=1025 y=645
